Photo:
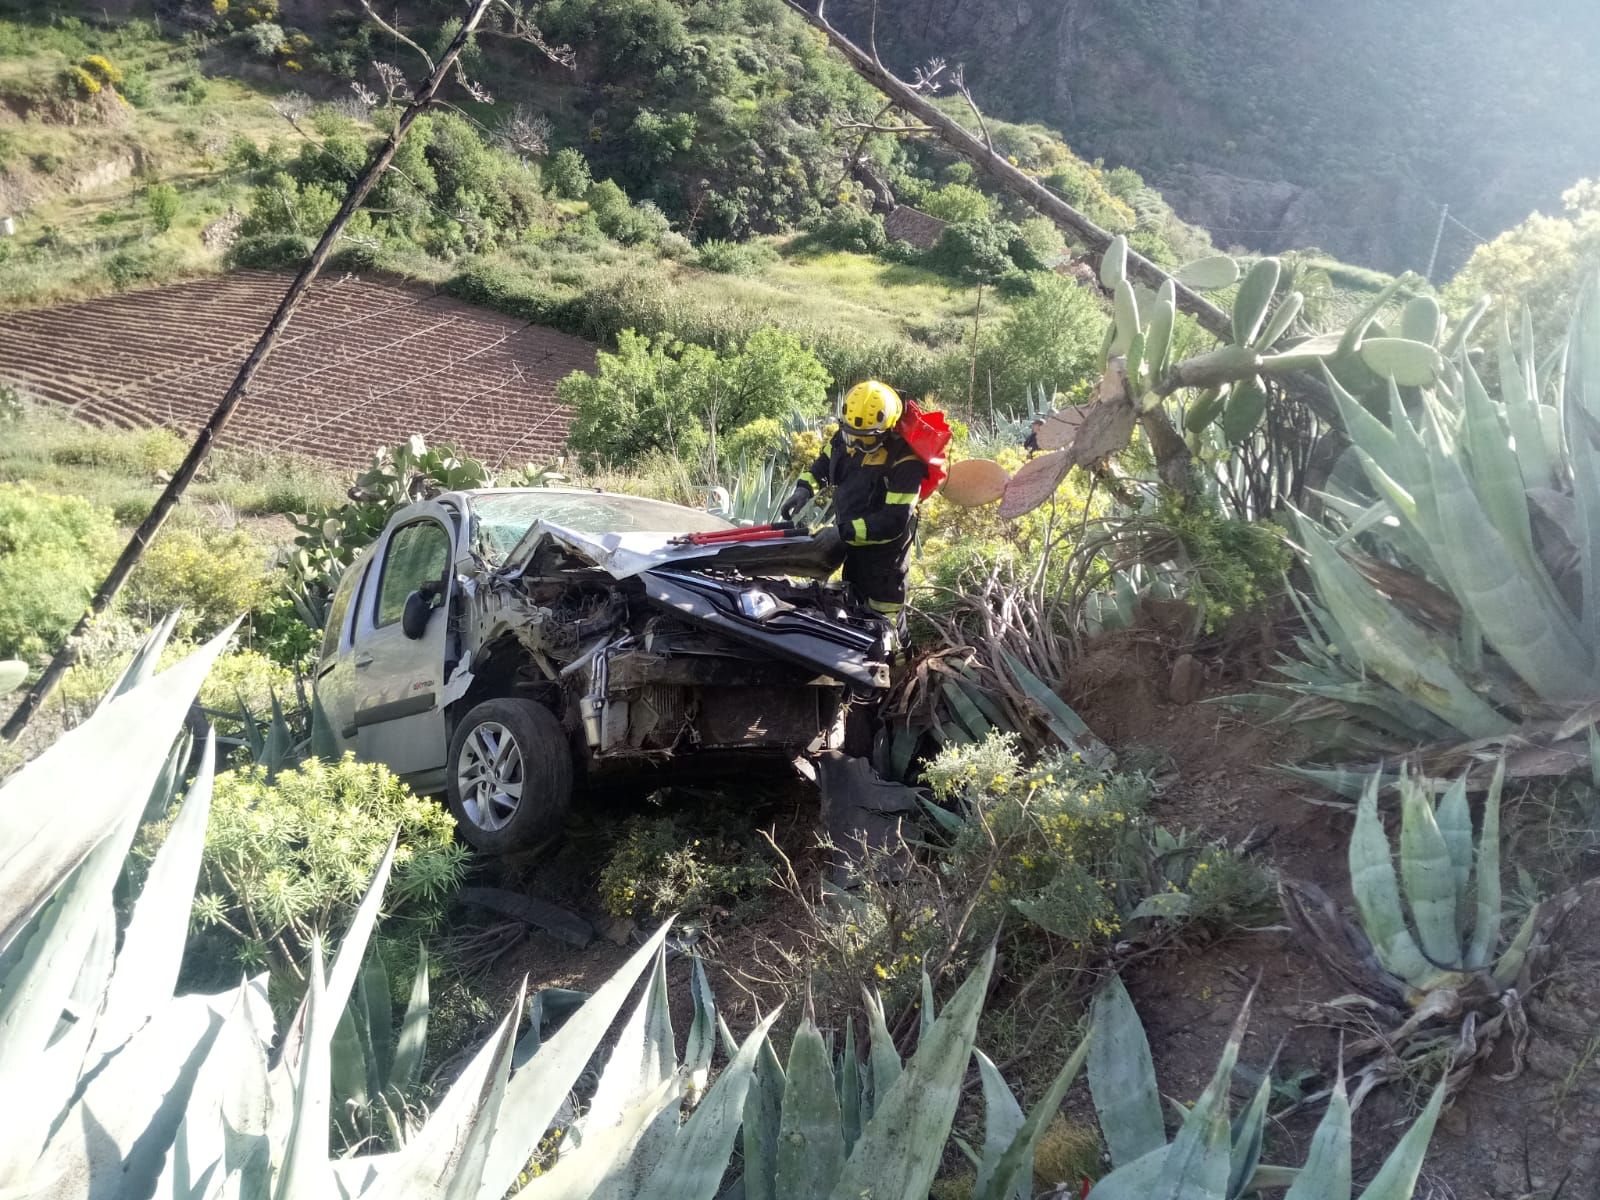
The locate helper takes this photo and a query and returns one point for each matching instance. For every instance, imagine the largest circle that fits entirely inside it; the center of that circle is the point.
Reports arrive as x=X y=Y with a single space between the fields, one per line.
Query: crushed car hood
x=624 y=555
x=740 y=608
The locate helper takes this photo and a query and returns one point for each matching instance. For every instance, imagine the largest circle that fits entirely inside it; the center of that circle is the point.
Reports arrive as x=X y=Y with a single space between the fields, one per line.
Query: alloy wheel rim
x=490 y=776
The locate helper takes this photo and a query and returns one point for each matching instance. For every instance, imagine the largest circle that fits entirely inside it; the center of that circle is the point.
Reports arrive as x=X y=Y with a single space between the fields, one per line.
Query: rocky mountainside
x=1283 y=123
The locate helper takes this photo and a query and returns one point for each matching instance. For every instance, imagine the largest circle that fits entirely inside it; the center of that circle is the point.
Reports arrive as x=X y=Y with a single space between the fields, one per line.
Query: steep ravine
x=1282 y=123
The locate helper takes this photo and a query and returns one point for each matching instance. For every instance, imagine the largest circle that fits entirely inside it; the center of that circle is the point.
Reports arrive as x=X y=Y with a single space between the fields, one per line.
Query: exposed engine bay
x=651 y=651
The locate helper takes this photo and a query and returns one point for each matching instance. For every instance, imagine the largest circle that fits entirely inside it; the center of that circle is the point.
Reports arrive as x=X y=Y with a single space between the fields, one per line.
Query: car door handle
x=362 y=660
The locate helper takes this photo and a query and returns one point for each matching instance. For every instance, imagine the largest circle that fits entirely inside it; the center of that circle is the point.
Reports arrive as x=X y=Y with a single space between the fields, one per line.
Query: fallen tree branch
x=1008 y=177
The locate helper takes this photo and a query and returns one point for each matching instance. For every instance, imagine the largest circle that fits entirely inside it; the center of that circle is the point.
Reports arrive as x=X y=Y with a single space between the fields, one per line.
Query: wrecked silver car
x=508 y=647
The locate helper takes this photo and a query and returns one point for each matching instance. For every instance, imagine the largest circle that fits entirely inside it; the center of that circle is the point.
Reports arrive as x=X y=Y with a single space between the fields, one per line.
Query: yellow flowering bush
x=283 y=859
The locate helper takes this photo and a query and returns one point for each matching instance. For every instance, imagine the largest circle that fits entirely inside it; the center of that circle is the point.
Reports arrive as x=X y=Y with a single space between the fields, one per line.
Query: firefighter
x=876 y=479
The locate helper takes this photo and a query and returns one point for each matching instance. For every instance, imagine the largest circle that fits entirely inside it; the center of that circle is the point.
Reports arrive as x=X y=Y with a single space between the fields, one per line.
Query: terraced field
x=365 y=363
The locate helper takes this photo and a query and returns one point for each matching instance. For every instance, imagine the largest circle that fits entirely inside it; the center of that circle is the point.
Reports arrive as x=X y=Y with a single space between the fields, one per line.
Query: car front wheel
x=510 y=779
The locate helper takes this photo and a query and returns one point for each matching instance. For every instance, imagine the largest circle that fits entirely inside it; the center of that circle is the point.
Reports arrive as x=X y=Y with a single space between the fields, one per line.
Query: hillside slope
x=1282 y=123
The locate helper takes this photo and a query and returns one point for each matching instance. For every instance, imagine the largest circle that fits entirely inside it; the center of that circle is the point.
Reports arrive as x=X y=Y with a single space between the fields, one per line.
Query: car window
x=419 y=553
x=336 y=613
x=504 y=517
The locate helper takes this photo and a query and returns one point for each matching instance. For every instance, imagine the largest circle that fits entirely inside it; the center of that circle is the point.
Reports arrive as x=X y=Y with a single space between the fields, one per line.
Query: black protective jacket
x=875 y=491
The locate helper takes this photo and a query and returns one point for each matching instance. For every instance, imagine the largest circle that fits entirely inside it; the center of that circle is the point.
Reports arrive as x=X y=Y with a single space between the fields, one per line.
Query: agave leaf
x=702 y=1030
x=536 y=1092
x=1254 y=295
x=1511 y=962
x=1002 y=1119
x=886 y=1065
x=1365 y=431
x=1529 y=630
x=918 y=1110
x=851 y=1099
x=763 y=1111
x=1522 y=415
x=1122 y=1077
x=153 y=944
x=114 y=1139
x=1067 y=725
x=1326 y=1175
x=927 y=1012
x=1429 y=875
x=1377 y=892
x=109 y=764
x=466 y=1166
x=1486 y=923
x=1014 y=1172
x=1208 y=274
x=1200 y=1159
x=412 y=1043
x=142 y=667
x=694 y=1165
x=1464 y=328
x=1455 y=824
x=644 y=1054
x=965 y=710
x=1248 y=1133
x=1397 y=1178
x=1409 y=659
x=304 y=1174
x=580 y=1174
x=811 y=1149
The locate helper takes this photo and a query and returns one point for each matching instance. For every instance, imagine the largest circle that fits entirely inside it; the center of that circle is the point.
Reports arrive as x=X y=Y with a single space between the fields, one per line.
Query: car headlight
x=757 y=605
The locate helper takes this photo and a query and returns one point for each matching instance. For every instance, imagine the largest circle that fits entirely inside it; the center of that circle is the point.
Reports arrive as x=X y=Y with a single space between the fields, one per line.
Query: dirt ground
x=1533 y=1137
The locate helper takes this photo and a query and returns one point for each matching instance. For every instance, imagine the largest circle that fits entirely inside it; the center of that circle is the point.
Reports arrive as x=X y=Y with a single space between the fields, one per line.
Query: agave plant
x=110 y=1084
x=1433 y=972
x=1212 y=1156
x=1456 y=565
x=375 y=1071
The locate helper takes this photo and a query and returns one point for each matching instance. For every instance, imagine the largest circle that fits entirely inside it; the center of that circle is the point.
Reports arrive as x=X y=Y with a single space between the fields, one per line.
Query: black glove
x=798 y=499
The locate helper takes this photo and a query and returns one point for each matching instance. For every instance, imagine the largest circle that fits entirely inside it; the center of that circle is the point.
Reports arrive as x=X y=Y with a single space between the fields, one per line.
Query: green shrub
x=144 y=452
x=163 y=203
x=734 y=258
x=568 y=174
x=214 y=576
x=658 y=869
x=1052 y=337
x=1231 y=566
x=53 y=552
x=957 y=203
x=132 y=266
x=754 y=441
x=290 y=857
x=849 y=227
x=660 y=394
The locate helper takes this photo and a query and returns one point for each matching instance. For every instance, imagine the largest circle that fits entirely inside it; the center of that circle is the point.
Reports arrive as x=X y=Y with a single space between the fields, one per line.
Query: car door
x=335 y=678
x=398 y=681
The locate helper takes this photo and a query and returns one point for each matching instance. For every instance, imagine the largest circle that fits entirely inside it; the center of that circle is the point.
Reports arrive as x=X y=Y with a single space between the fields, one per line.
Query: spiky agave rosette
x=1436 y=982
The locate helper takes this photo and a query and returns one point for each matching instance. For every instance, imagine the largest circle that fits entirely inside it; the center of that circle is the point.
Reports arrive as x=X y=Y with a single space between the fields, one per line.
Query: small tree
x=163 y=203
x=568 y=173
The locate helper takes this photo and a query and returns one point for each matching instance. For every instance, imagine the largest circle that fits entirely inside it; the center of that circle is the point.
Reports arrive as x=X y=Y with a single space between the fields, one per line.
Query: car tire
x=509 y=776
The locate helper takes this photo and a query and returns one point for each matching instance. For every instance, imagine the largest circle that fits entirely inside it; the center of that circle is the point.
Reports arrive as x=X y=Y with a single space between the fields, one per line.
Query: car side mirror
x=414 y=618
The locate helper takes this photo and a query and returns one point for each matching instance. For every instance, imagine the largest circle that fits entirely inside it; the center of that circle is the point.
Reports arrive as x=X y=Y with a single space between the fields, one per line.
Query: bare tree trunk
x=173 y=492
x=1008 y=177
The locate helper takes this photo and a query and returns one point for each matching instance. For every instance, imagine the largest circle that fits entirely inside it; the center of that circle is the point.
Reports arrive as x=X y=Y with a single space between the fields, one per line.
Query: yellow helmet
x=870 y=408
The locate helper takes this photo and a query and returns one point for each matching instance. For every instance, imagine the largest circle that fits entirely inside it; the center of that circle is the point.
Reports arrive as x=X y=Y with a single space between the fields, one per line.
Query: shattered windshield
x=503 y=517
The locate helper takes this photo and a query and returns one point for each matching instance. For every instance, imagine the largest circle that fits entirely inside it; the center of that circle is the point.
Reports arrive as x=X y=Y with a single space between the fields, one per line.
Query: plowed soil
x=365 y=363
